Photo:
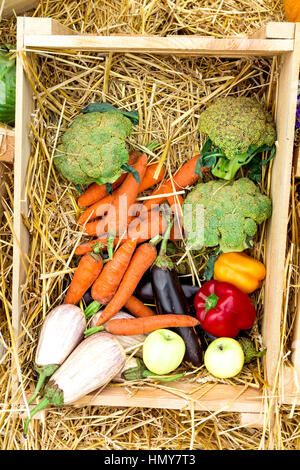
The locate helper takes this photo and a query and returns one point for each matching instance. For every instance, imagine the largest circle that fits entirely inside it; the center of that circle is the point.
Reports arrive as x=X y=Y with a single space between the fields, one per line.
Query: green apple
x=224 y=358
x=163 y=351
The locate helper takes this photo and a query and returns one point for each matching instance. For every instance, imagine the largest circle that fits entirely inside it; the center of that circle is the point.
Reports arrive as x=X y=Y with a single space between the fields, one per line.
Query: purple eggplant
x=170 y=299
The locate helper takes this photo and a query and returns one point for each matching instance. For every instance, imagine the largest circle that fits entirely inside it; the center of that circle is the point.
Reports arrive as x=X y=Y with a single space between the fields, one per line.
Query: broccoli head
x=93 y=149
x=238 y=128
x=225 y=214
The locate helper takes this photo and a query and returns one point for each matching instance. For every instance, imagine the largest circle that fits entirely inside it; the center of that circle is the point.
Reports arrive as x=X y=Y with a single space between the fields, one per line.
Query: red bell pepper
x=223 y=310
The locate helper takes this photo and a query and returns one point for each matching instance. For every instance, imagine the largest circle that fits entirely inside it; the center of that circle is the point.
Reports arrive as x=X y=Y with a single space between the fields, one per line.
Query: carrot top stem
x=98 y=247
x=110 y=246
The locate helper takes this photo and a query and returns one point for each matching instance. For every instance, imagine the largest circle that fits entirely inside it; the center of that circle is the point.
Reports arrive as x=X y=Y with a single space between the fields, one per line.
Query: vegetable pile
x=138 y=305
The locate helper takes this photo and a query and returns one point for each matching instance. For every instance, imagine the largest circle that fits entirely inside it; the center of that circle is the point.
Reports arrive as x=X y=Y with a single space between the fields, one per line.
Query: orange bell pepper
x=241 y=270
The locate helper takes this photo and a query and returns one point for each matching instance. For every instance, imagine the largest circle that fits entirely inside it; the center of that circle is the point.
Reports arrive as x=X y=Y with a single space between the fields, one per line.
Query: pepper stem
x=44 y=372
x=94 y=329
x=40 y=406
x=210 y=302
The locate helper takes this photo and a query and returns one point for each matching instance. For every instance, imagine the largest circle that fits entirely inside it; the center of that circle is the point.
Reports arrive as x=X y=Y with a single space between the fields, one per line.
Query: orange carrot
x=138 y=308
x=104 y=288
x=95 y=228
x=88 y=269
x=141 y=228
x=184 y=177
x=164 y=188
x=140 y=262
x=147 y=226
x=95 y=192
x=138 y=326
x=90 y=246
x=149 y=180
x=118 y=216
x=98 y=209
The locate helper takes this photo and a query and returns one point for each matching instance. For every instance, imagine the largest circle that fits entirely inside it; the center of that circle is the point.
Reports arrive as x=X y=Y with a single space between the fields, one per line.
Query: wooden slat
x=24 y=104
x=280 y=193
x=220 y=397
x=191 y=45
x=252 y=420
x=275 y=30
x=45 y=26
x=17 y=6
x=290 y=387
x=22 y=152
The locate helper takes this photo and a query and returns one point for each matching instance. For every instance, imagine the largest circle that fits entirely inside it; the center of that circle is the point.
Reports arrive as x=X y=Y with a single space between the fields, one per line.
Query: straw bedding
x=168 y=93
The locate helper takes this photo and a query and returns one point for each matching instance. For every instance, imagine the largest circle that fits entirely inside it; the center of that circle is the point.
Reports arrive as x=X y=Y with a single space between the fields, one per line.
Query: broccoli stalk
x=227 y=169
x=237 y=129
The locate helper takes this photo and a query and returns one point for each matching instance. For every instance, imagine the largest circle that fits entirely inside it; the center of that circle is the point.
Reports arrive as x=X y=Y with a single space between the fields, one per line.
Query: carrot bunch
x=109 y=215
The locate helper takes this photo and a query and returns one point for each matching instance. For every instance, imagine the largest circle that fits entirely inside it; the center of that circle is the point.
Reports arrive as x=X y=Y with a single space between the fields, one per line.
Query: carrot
x=95 y=228
x=147 y=226
x=118 y=216
x=138 y=308
x=88 y=247
x=88 y=269
x=104 y=288
x=164 y=188
x=184 y=177
x=149 y=179
x=138 y=326
x=95 y=192
x=140 y=262
x=141 y=228
x=98 y=209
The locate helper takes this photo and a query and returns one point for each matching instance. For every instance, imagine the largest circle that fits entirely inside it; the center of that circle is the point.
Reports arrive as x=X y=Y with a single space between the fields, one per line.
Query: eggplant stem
x=39 y=407
x=164 y=243
x=91 y=331
x=91 y=309
x=44 y=373
x=161 y=378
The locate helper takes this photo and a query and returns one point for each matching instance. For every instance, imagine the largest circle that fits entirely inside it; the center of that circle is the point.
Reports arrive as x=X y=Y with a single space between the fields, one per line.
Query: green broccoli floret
x=225 y=214
x=239 y=128
x=93 y=149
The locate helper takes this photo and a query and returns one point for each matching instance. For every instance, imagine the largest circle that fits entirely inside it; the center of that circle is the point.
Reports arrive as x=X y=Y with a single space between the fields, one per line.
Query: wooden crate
x=280 y=39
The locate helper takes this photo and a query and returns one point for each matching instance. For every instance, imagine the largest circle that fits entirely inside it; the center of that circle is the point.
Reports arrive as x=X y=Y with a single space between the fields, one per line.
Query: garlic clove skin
x=93 y=364
x=61 y=332
x=126 y=341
